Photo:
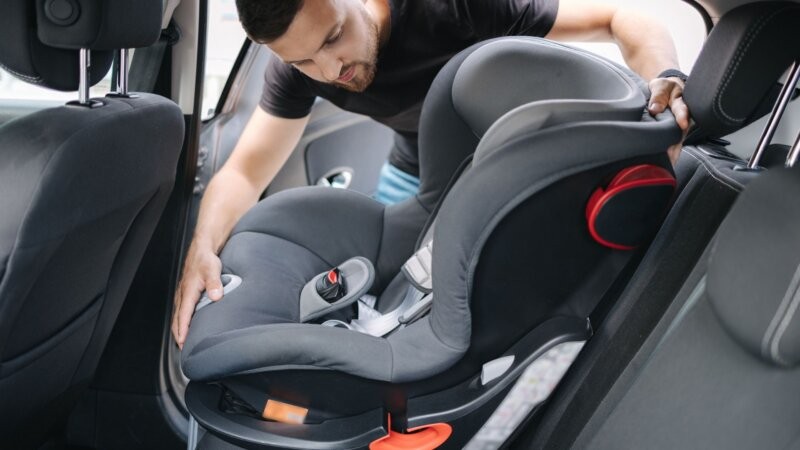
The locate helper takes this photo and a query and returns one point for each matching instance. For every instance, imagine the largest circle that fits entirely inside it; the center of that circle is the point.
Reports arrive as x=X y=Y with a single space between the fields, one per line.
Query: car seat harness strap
x=416 y=302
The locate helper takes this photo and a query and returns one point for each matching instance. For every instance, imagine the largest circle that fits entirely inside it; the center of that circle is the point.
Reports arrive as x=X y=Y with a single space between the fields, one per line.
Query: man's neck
x=382 y=14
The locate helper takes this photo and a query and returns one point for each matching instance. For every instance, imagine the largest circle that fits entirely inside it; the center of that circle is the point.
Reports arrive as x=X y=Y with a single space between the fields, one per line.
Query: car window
x=12 y=88
x=225 y=39
x=684 y=23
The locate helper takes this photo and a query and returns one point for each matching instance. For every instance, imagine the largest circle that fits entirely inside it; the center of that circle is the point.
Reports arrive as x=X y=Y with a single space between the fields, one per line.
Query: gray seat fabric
x=82 y=190
x=282 y=243
x=721 y=368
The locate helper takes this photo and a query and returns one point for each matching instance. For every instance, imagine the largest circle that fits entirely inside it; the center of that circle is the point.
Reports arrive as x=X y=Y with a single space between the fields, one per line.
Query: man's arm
x=263 y=148
x=645 y=44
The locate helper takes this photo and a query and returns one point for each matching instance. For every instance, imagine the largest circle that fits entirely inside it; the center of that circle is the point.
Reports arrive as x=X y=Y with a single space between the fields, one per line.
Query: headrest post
x=777 y=113
x=794 y=153
x=83 y=86
x=122 y=72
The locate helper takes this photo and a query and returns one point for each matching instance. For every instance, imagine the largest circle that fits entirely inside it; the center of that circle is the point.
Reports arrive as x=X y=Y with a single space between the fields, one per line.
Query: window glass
x=682 y=21
x=12 y=88
x=224 y=40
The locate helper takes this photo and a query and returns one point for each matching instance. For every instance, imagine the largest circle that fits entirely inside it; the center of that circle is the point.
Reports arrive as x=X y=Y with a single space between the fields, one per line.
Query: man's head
x=333 y=41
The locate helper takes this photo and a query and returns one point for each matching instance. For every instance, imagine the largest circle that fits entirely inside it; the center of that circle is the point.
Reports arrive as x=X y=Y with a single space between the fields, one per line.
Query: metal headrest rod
x=83 y=86
x=122 y=72
x=794 y=153
x=777 y=113
x=83 y=81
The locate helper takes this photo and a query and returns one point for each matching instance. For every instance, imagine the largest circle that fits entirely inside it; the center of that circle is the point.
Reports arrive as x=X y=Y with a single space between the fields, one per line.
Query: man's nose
x=330 y=66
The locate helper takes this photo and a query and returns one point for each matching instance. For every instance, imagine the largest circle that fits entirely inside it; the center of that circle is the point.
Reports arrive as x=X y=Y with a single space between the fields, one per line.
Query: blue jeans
x=394 y=185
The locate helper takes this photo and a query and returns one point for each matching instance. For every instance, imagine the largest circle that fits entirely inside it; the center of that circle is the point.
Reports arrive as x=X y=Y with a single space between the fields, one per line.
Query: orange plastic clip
x=284 y=412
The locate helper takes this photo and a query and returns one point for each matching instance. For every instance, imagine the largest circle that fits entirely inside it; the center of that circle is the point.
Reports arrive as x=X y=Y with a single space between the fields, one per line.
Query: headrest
x=98 y=24
x=38 y=39
x=754 y=271
x=745 y=55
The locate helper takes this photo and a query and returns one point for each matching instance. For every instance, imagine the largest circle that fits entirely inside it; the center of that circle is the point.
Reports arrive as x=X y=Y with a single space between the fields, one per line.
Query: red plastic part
x=332 y=276
x=629 y=178
x=426 y=437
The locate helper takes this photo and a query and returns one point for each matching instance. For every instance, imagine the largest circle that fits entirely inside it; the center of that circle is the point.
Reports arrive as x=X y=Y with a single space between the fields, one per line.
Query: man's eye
x=335 y=38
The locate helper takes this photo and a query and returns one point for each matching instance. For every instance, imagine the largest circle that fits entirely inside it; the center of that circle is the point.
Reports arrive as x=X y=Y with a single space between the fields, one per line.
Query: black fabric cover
x=101 y=24
x=707 y=187
x=692 y=367
x=760 y=243
x=745 y=54
x=83 y=189
x=24 y=56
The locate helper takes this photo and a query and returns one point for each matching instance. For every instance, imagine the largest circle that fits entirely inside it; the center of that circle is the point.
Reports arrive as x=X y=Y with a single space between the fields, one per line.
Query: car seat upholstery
x=751 y=38
x=512 y=252
x=722 y=364
x=83 y=187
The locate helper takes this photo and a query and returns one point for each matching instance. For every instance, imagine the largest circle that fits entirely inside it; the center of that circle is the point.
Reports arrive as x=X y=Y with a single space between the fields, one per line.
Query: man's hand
x=201 y=272
x=668 y=92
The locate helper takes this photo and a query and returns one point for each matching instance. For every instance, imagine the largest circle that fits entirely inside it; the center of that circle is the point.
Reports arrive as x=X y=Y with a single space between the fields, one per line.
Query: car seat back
x=83 y=186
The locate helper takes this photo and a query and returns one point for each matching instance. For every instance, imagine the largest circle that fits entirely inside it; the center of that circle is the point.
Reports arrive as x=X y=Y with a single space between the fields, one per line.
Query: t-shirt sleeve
x=495 y=18
x=286 y=93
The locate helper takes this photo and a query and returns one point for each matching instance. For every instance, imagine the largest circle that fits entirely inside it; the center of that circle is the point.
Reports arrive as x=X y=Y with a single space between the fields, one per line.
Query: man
x=378 y=57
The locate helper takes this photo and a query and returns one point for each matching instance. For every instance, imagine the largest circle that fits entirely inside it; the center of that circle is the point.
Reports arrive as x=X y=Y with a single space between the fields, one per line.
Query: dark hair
x=267 y=20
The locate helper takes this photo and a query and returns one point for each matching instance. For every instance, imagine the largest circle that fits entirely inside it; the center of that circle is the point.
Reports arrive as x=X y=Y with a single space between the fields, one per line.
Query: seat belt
x=416 y=303
x=146 y=63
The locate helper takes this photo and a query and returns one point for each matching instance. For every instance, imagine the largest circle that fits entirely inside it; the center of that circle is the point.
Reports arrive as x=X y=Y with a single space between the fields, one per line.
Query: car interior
x=556 y=283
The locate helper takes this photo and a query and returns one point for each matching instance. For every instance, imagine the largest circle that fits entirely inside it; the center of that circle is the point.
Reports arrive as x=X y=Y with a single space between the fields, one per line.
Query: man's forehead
x=308 y=30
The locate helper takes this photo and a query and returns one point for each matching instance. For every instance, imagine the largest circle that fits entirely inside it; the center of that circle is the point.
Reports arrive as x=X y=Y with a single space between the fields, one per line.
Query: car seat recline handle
x=777 y=113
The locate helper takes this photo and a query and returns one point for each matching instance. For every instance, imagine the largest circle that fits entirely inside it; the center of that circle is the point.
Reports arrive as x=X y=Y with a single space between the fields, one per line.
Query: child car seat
x=521 y=245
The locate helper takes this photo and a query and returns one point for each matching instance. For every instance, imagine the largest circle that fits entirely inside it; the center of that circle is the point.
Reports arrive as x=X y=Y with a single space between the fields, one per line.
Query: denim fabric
x=394 y=185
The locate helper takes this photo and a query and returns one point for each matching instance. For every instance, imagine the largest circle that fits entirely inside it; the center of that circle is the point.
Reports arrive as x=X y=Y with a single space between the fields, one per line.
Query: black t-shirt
x=425 y=34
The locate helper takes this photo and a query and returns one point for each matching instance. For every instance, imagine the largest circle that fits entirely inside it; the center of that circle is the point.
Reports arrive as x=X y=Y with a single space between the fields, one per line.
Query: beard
x=364 y=70
x=365 y=74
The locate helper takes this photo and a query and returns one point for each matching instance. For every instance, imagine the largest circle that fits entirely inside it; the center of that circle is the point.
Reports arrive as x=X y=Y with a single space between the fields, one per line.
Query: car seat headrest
x=754 y=271
x=40 y=39
x=745 y=55
x=98 y=24
x=500 y=89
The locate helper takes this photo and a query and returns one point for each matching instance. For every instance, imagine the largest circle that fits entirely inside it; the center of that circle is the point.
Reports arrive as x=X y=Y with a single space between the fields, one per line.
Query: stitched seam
x=740 y=52
x=787 y=318
x=23 y=77
x=719 y=176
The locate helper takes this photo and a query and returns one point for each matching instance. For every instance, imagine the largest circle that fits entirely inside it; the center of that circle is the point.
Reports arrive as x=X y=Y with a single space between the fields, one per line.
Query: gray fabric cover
x=560 y=85
x=282 y=243
x=743 y=58
x=761 y=244
x=464 y=101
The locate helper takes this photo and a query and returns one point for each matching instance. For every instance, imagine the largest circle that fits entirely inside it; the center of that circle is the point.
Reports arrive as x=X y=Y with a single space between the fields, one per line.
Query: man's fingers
x=660 y=90
x=189 y=298
x=214 y=284
x=680 y=111
x=212 y=281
